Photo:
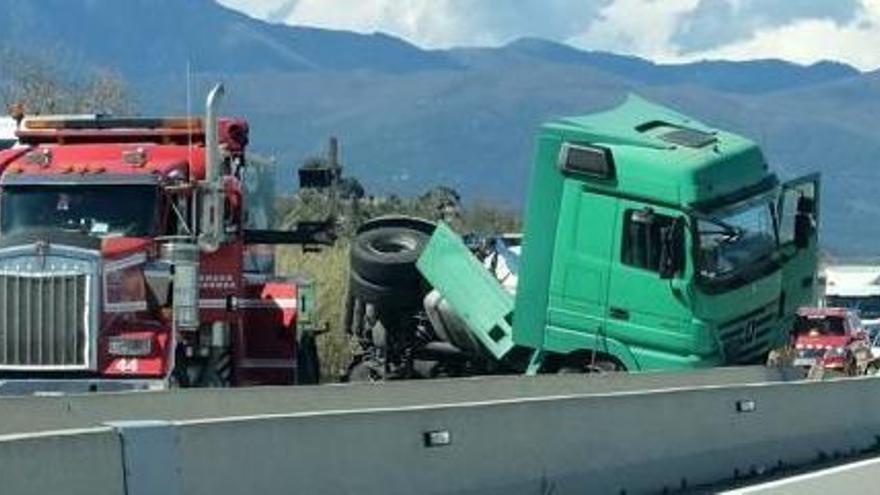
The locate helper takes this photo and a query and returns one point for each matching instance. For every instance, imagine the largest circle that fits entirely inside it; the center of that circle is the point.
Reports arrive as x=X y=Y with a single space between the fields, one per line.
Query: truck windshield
x=867 y=306
x=735 y=240
x=819 y=325
x=98 y=210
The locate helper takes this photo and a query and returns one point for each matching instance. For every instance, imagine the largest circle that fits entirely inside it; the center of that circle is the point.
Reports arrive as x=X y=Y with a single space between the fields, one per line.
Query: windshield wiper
x=731 y=233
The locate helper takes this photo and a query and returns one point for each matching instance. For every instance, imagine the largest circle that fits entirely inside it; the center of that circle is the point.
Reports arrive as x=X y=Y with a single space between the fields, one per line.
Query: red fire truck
x=128 y=259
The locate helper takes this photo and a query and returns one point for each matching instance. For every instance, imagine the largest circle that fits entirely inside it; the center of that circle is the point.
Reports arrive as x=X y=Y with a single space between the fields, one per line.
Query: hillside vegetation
x=463 y=117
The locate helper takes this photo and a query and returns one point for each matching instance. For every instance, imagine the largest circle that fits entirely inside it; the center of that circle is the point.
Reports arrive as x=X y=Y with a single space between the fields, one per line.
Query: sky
x=802 y=31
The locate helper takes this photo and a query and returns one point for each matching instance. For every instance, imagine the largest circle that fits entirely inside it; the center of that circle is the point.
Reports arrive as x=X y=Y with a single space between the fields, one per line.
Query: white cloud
x=716 y=23
x=811 y=40
x=437 y=23
x=647 y=28
x=651 y=33
x=637 y=27
x=445 y=23
x=260 y=9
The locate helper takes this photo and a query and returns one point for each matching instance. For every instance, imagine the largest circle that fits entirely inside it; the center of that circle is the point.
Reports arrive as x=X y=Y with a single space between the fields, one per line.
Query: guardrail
x=610 y=436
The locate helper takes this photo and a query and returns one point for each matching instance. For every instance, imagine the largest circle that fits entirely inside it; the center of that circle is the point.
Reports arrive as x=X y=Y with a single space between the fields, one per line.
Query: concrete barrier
x=624 y=443
x=75 y=462
x=31 y=414
x=500 y=437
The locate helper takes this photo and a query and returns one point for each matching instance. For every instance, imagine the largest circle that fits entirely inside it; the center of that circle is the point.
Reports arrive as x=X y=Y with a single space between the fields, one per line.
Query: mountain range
x=410 y=118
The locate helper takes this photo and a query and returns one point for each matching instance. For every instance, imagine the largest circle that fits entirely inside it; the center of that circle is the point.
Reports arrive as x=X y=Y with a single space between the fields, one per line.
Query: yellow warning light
x=103 y=122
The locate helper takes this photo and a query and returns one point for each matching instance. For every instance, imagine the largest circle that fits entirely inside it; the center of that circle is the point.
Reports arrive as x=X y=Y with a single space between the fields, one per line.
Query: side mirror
x=672 y=249
x=806 y=205
x=803 y=223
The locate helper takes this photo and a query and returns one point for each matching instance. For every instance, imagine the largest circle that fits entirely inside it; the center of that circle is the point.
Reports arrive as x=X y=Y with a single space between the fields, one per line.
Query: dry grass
x=329 y=269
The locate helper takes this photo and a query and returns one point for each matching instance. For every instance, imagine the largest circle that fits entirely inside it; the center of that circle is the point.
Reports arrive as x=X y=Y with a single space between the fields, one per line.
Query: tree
x=350 y=188
x=105 y=92
x=42 y=86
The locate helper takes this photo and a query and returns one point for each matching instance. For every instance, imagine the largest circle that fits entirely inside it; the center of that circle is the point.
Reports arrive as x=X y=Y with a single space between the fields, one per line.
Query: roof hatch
x=678 y=135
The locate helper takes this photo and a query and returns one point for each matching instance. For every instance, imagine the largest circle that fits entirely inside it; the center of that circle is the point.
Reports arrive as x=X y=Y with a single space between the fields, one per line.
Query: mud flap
x=266 y=340
x=486 y=308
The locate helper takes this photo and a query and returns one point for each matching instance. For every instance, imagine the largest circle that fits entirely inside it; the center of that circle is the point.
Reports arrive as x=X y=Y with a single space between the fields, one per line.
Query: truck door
x=798 y=208
x=579 y=276
x=644 y=310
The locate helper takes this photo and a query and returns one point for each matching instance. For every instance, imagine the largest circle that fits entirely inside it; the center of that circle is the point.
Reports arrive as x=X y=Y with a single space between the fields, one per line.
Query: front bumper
x=76 y=386
x=805 y=362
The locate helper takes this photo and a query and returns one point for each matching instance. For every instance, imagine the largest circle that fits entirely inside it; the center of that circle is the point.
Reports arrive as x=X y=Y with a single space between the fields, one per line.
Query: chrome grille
x=747 y=339
x=44 y=321
x=814 y=353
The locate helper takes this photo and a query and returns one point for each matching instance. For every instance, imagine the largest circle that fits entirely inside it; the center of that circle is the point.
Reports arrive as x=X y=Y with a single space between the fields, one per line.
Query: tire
x=586 y=364
x=382 y=295
x=368 y=291
x=605 y=365
x=873 y=369
x=214 y=371
x=570 y=370
x=362 y=371
x=387 y=255
x=217 y=370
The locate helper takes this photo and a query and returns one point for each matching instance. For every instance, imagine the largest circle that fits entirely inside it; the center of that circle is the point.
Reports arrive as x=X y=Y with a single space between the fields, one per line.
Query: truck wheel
x=368 y=291
x=605 y=366
x=362 y=371
x=179 y=376
x=387 y=255
x=873 y=369
x=216 y=371
x=580 y=363
x=384 y=295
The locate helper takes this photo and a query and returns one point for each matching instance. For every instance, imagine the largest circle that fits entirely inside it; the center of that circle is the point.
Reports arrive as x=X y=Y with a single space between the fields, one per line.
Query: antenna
x=189 y=104
x=194 y=198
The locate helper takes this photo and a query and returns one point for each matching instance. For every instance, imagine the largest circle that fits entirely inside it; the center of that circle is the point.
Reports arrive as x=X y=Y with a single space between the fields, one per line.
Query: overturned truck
x=652 y=241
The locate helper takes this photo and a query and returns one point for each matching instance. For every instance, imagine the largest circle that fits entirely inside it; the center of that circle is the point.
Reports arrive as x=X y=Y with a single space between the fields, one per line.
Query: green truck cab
x=651 y=242
x=661 y=243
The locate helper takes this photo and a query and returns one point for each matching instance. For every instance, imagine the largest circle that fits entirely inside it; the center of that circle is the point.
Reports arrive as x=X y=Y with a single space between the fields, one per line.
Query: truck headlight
x=130 y=345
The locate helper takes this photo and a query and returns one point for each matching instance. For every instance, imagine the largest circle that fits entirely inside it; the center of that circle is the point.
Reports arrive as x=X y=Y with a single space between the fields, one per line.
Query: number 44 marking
x=127 y=365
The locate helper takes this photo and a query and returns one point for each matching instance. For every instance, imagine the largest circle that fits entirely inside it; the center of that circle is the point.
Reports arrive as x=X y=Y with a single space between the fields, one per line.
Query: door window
x=793 y=197
x=643 y=238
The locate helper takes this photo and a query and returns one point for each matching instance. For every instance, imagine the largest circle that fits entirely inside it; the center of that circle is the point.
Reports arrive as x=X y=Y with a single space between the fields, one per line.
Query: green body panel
x=542 y=210
x=572 y=284
x=658 y=317
x=579 y=277
x=576 y=294
x=469 y=288
x=654 y=168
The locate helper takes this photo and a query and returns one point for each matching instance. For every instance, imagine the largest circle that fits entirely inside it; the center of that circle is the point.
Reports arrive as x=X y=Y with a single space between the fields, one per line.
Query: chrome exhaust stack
x=212 y=197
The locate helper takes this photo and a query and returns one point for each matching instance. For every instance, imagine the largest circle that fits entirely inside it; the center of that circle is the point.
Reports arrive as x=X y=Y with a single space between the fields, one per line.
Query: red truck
x=127 y=261
x=831 y=338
